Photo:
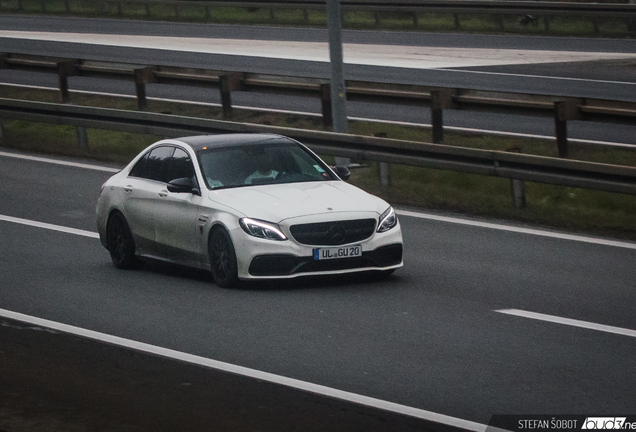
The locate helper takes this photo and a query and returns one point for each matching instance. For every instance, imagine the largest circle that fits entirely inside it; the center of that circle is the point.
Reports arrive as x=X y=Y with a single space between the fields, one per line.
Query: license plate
x=337 y=252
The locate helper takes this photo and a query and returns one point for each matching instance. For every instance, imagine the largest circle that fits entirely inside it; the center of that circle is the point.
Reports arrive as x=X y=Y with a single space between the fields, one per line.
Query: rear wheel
x=120 y=242
x=223 y=259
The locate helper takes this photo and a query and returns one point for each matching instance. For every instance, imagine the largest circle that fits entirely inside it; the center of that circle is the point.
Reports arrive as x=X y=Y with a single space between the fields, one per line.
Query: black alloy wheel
x=223 y=259
x=120 y=242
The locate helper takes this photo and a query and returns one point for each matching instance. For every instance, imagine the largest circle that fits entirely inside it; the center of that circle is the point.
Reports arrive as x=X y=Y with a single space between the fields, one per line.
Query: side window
x=180 y=166
x=156 y=167
x=138 y=169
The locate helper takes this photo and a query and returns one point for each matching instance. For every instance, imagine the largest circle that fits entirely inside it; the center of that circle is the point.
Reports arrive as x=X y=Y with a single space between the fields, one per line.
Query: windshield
x=239 y=166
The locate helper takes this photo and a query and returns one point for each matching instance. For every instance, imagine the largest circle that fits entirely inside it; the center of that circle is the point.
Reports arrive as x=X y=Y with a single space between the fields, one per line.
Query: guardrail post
x=119 y=9
x=546 y=22
x=416 y=21
x=440 y=99
x=147 y=9
x=563 y=111
x=272 y=14
x=438 y=126
x=305 y=16
x=65 y=69
x=456 y=19
x=82 y=137
x=376 y=16
x=501 y=22
x=67 y=5
x=325 y=101
x=517 y=187
x=43 y=5
x=1 y=131
x=631 y=23
x=384 y=170
x=20 y=6
x=143 y=76
x=631 y=26
x=385 y=174
x=228 y=83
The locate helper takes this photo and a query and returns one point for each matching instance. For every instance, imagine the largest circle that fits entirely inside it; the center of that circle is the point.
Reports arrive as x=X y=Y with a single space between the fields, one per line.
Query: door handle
x=163 y=194
x=128 y=188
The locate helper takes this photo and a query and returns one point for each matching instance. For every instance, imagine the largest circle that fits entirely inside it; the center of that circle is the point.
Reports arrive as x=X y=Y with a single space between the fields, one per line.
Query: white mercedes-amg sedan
x=245 y=206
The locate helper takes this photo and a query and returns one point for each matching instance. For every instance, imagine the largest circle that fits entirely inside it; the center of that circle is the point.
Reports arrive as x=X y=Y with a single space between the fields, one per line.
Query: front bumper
x=266 y=259
x=277 y=265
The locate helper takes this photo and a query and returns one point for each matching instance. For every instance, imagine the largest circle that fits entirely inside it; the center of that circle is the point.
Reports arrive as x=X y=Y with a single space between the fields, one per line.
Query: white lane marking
x=49 y=226
x=248 y=372
x=59 y=162
x=569 y=321
x=539 y=76
x=418 y=57
x=511 y=228
x=281 y=111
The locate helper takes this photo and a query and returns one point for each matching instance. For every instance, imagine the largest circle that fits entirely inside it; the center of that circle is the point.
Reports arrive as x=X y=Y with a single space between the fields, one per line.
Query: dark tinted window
x=180 y=166
x=156 y=166
x=138 y=169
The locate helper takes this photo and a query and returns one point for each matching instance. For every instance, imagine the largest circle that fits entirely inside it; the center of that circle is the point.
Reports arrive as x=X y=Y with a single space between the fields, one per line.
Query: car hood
x=278 y=202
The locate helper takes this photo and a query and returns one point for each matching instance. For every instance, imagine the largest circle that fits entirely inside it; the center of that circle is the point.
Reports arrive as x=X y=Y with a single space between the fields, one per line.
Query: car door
x=176 y=215
x=143 y=187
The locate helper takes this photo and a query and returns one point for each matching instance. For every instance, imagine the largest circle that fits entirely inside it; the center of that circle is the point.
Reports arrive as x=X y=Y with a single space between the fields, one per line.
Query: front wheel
x=223 y=259
x=119 y=241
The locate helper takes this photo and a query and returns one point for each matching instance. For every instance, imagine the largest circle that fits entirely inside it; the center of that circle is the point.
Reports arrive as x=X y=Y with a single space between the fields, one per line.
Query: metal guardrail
x=437 y=99
x=379 y=8
x=588 y=175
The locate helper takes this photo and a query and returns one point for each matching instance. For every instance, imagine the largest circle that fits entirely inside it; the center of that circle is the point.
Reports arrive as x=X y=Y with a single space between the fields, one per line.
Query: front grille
x=333 y=233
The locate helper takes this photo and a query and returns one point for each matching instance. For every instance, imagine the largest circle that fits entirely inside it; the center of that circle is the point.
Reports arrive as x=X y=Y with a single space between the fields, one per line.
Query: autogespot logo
x=608 y=423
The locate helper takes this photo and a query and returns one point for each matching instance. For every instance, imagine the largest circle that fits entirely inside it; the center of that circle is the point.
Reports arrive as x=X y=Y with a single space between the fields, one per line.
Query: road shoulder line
x=247 y=372
x=59 y=162
x=515 y=229
x=49 y=226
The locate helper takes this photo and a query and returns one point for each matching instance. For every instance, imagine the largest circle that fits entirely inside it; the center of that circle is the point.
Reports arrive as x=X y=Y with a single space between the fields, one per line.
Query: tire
x=120 y=243
x=222 y=259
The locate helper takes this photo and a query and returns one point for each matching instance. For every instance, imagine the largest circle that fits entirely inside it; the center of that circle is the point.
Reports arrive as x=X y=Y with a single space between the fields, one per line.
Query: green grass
x=555 y=206
x=469 y=23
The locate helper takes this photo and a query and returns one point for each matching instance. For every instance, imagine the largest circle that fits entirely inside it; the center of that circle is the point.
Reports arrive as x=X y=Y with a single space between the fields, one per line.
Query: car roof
x=231 y=140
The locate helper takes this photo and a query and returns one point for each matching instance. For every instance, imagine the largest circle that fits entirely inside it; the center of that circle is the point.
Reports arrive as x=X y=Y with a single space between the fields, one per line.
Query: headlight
x=388 y=220
x=262 y=229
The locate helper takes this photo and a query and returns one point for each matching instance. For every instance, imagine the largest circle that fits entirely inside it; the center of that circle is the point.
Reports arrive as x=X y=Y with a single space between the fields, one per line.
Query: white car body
x=176 y=227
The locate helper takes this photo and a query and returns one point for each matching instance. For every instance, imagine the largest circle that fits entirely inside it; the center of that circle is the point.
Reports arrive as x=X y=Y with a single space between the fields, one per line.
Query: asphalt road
x=428 y=337
x=56 y=382
x=615 y=79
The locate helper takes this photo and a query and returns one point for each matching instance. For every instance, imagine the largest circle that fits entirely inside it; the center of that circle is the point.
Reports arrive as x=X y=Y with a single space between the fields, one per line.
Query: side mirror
x=182 y=185
x=343 y=172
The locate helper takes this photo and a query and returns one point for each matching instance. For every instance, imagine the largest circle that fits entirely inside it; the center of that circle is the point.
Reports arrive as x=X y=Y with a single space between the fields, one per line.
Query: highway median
x=570 y=208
